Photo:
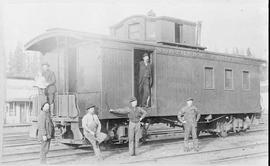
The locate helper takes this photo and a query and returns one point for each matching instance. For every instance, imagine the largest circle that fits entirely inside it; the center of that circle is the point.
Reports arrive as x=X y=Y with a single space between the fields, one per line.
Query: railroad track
x=239 y=157
x=59 y=154
x=218 y=160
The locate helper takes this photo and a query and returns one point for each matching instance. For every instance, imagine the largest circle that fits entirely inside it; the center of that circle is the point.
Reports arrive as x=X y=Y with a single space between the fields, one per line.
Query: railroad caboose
x=103 y=70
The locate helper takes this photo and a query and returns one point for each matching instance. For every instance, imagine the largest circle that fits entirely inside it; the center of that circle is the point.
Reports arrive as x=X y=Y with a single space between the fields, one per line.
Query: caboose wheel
x=223 y=133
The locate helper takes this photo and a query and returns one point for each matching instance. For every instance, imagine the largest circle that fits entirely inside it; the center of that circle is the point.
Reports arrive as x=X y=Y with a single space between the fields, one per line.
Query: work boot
x=186 y=146
x=196 y=145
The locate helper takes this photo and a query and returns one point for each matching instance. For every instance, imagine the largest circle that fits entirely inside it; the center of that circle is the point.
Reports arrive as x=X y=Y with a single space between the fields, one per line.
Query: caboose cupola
x=160 y=29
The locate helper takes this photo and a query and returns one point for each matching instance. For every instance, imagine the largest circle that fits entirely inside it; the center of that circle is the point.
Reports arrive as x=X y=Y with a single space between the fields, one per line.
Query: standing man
x=189 y=116
x=45 y=131
x=135 y=115
x=50 y=89
x=145 y=81
x=91 y=129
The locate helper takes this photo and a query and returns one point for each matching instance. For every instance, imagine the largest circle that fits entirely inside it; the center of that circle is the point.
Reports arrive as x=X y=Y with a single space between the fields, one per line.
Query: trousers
x=144 y=90
x=44 y=149
x=133 y=135
x=190 y=128
x=94 y=144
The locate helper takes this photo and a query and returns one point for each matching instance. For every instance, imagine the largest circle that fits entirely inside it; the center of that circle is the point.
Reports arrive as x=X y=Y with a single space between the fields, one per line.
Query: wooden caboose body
x=104 y=71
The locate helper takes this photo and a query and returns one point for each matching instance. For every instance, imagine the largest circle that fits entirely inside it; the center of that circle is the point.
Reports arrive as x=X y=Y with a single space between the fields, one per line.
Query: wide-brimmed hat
x=90 y=106
x=190 y=98
x=132 y=99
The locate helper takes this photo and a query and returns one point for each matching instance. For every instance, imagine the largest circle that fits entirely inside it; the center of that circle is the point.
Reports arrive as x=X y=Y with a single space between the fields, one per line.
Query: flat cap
x=45 y=63
x=132 y=99
x=188 y=99
x=90 y=106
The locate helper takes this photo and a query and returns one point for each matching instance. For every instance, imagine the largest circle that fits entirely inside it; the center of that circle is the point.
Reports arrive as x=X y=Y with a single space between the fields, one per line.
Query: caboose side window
x=209 y=78
x=178 y=33
x=228 y=79
x=134 y=31
x=245 y=80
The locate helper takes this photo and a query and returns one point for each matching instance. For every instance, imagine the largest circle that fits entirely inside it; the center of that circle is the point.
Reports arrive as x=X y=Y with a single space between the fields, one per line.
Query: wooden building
x=19 y=101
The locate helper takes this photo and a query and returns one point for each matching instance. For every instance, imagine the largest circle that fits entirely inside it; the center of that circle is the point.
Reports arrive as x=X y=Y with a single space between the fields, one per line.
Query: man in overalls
x=189 y=116
x=91 y=129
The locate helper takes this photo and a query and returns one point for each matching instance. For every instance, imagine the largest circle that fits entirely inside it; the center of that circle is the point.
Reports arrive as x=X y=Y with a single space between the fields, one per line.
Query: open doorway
x=143 y=80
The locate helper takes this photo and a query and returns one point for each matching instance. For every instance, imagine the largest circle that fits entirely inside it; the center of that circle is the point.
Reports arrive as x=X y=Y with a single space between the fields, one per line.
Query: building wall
x=18 y=102
x=167 y=31
x=189 y=34
x=18 y=112
x=264 y=96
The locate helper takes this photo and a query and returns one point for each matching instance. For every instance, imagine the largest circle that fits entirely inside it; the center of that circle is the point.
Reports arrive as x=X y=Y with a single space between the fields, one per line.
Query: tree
x=23 y=64
x=16 y=62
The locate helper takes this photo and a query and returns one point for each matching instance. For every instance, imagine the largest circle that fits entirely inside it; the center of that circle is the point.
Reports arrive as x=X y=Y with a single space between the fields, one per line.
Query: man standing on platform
x=145 y=81
x=50 y=89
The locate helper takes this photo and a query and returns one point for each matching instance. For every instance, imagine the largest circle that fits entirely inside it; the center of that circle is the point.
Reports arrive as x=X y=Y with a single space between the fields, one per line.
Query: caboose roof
x=48 y=41
x=165 y=18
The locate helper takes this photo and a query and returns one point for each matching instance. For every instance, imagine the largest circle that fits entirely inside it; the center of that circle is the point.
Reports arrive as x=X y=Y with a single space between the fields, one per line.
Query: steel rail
x=76 y=152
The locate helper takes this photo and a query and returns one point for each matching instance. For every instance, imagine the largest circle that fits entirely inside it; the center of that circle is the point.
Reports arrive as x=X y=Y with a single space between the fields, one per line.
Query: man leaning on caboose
x=135 y=115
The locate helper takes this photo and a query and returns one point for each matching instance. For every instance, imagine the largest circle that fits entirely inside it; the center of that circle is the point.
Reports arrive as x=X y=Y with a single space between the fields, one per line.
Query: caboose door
x=142 y=92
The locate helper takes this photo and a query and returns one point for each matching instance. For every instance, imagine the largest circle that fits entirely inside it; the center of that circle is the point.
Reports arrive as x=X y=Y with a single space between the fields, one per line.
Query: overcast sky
x=225 y=23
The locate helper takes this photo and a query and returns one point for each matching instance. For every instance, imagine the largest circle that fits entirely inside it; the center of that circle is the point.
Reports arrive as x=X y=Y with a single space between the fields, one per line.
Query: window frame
x=232 y=88
x=130 y=25
x=12 y=112
x=213 y=77
x=179 y=36
x=243 y=79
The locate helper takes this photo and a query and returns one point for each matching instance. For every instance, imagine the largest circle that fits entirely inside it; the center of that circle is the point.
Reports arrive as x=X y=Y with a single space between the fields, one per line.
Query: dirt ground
x=172 y=154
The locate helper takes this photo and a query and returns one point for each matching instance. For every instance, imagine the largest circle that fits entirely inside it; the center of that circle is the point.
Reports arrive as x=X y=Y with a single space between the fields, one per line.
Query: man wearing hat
x=145 y=81
x=135 y=115
x=50 y=89
x=45 y=131
x=189 y=116
x=91 y=129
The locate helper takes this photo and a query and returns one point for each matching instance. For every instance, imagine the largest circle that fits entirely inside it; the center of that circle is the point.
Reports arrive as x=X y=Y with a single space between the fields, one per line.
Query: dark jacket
x=134 y=113
x=45 y=126
x=190 y=114
x=145 y=73
x=50 y=78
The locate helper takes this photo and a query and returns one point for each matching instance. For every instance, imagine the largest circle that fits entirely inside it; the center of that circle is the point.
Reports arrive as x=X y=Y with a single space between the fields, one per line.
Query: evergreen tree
x=23 y=64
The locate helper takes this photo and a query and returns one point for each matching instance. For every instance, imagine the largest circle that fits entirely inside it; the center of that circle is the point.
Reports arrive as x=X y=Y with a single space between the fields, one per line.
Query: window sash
x=228 y=80
x=245 y=80
x=209 y=77
x=134 y=31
